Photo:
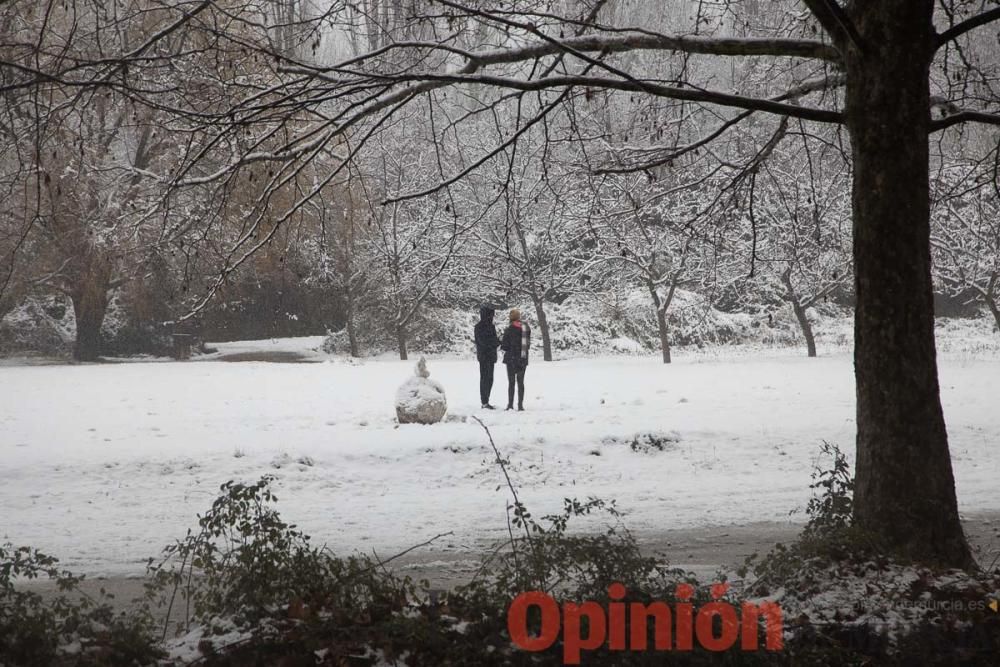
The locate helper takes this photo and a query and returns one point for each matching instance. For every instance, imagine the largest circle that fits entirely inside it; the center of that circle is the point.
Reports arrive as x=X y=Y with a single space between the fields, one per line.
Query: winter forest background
x=205 y=188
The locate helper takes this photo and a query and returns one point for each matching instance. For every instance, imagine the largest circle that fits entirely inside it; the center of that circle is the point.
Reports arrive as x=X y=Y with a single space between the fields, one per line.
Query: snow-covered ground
x=104 y=464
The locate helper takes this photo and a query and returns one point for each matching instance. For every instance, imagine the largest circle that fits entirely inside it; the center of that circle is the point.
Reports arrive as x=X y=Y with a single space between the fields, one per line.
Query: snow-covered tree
x=804 y=225
x=526 y=245
x=654 y=238
x=966 y=235
x=410 y=244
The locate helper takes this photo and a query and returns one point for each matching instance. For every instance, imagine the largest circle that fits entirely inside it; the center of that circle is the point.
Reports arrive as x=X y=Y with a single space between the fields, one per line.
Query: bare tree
x=654 y=237
x=803 y=224
x=966 y=234
x=527 y=244
x=340 y=261
x=411 y=244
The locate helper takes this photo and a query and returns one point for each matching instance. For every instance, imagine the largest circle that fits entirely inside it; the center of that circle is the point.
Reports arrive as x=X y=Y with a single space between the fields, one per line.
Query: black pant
x=485 y=380
x=515 y=372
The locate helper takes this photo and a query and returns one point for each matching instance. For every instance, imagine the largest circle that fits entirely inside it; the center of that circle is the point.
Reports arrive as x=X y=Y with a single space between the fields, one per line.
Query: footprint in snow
x=281 y=460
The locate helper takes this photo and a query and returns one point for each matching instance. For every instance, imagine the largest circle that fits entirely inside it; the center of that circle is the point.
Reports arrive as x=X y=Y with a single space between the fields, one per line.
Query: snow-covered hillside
x=612 y=324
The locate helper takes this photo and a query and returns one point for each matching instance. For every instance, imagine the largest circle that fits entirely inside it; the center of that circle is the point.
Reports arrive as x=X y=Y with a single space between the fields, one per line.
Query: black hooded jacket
x=485 y=333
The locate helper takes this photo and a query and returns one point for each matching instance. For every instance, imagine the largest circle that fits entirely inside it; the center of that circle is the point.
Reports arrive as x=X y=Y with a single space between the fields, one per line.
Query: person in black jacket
x=515 y=345
x=485 y=334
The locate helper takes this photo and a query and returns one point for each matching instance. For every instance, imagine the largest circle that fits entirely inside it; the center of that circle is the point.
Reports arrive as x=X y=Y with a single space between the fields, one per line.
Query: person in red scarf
x=515 y=344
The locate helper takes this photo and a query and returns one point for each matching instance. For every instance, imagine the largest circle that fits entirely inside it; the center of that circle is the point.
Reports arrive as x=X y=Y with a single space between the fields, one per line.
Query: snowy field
x=104 y=464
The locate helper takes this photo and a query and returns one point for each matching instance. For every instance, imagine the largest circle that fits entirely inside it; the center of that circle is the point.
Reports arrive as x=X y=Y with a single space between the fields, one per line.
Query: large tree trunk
x=661 y=323
x=905 y=490
x=543 y=327
x=90 y=303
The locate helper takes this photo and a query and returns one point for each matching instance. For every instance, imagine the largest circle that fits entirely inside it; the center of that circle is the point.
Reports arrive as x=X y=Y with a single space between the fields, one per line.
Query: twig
x=486 y=561
x=382 y=563
x=173 y=595
x=503 y=467
x=513 y=492
x=995 y=561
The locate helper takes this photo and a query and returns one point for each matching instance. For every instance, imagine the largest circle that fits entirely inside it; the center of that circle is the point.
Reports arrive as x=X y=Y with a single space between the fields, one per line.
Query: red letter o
x=517 y=621
x=704 y=630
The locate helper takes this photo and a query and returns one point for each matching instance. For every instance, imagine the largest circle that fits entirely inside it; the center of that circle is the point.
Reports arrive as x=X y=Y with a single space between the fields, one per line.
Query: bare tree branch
x=965 y=26
x=836 y=22
x=964 y=116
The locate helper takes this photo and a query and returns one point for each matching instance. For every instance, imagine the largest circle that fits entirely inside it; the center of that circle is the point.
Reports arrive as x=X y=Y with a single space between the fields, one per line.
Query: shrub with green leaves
x=829 y=533
x=248 y=569
x=70 y=628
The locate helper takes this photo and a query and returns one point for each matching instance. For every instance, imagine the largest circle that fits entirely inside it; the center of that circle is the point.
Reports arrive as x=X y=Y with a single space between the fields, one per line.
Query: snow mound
x=628 y=345
x=38 y=325
x=420 y=400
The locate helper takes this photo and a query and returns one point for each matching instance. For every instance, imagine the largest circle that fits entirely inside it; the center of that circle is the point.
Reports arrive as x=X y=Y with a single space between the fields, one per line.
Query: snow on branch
x=636 y=40
x=964 y=116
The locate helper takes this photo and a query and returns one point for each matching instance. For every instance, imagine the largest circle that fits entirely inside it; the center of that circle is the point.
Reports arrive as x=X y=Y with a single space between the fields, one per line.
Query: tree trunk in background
x=800 y=314
x=6 y=305
x=989 y=297
x=352 y=334
x=995 y=310
x=661 y=322
x=807 y=331
x=401 y=341
x=905 y=489
x=90 y=303
x=536 y=290
x=352 y=337
x=543 y=327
